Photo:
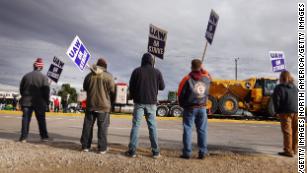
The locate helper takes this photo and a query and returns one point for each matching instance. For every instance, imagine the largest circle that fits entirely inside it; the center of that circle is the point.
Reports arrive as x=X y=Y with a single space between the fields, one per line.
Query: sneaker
x=102 y=152
x=285 y=154
x=156 y=155
x=45 y=139
x=185 y=157
x=86 y=150
x=23 y=141
x=130 y=153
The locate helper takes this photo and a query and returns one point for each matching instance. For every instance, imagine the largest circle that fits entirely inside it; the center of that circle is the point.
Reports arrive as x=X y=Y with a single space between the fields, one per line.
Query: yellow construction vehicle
x=253 y=95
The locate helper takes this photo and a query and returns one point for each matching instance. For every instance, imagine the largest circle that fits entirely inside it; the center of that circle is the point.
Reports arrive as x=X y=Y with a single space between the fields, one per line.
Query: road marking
x=11 y=117
x=10 y=114
x=73 y=119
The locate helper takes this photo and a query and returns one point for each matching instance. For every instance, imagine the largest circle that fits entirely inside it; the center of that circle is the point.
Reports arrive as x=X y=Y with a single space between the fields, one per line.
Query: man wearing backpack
x=192 y=95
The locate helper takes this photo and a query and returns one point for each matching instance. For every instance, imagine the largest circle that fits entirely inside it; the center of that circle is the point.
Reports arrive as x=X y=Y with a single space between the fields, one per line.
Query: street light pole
x=236 y=68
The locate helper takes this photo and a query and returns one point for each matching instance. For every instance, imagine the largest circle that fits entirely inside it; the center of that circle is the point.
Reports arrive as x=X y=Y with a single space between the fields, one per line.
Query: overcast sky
x=118 y=30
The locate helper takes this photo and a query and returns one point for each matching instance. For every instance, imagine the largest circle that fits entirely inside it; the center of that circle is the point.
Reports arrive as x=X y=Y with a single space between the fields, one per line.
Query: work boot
x=185 y=157
x=202 y=156
x=286 y=154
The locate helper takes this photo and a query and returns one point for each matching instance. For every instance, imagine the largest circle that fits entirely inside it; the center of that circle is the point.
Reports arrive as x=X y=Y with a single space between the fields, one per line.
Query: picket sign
x=55 y=70
x=211 y=27
x=156 y=41
x=277 y=60
x=78 y=53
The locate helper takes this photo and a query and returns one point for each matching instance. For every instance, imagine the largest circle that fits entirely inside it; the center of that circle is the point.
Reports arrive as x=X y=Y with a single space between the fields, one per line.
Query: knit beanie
x=38 y=63
x=102 y=63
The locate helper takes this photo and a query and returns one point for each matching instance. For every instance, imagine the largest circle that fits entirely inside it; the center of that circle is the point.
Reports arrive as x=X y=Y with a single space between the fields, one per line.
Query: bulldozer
x=254 y=95
x=227 y=97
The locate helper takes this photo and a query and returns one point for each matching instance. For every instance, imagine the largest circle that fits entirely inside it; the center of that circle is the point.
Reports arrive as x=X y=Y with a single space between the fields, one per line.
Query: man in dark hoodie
x=34 y=90
x=100 y=89
x=192 y=94
x=285 y=103
x=144 y=84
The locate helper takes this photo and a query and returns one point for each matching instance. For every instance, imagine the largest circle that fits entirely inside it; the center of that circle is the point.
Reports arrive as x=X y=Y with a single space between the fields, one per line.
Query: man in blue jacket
x=144 y=84
x=192 y=94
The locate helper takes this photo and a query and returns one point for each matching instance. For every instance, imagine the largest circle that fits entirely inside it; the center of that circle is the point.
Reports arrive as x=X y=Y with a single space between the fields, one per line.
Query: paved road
x=222 y=135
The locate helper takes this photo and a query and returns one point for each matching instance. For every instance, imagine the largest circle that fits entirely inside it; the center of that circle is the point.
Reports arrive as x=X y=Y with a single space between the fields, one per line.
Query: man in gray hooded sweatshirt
x=100 y=89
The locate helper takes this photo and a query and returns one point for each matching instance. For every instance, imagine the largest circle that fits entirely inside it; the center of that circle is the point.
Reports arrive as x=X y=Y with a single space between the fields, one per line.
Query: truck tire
x=162 y=111
x=228 y=105
x=176 y=111
x=212 y=104
x=270 y=108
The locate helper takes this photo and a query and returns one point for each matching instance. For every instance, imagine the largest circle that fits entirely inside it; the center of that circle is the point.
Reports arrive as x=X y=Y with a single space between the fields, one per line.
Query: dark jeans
x=26 y=119
x=103 y=122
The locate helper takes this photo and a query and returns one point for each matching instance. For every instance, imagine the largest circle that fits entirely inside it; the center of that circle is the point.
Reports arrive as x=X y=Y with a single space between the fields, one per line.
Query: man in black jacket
x=144 y=84
x=285 y=103
x=34 y=90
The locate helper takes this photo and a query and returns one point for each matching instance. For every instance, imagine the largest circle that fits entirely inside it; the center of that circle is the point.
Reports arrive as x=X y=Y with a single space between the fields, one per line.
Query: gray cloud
x=118 y=30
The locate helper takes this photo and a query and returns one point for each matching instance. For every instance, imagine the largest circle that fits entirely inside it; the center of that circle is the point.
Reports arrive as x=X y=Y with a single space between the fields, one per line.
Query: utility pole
x=236 y=68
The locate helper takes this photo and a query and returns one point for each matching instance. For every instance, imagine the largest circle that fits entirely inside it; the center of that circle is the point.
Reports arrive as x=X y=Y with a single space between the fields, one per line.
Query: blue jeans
x=199 y=117
x=149 y=110
x=26 y=119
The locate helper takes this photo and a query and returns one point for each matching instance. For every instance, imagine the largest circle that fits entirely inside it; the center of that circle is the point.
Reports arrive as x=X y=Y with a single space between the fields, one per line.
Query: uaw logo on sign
x=156 y=42
x=278 y=61
x=78 y=53
x=211 y=27
x=55 y=69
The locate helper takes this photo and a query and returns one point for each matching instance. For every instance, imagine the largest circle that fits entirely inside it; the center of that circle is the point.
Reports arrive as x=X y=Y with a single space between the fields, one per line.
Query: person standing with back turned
x=144 y=84
x=34 y=90
x=100 y=89
x=285 y=104
x=192 y=95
